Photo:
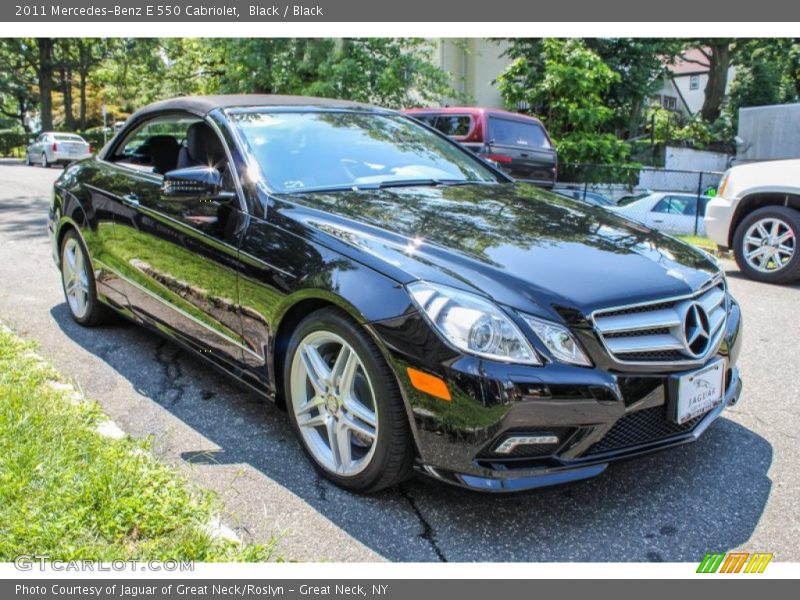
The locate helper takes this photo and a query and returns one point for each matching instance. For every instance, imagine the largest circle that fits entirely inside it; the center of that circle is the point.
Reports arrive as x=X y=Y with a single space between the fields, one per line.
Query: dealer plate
x=700 y=391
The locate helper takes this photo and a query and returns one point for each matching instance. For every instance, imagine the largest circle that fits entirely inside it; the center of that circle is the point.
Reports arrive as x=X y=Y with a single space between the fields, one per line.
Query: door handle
x=130 y=199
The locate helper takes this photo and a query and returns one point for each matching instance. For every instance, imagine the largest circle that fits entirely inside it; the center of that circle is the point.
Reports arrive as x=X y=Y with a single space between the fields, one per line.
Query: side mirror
x=192 y=182
x=31 y=140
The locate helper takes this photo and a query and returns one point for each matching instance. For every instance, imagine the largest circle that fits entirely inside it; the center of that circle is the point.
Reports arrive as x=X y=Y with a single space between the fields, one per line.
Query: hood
x=516 y=243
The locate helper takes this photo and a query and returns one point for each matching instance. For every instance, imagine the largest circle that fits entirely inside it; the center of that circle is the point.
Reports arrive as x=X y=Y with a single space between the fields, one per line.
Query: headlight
x=558 y=340
x=472 y=324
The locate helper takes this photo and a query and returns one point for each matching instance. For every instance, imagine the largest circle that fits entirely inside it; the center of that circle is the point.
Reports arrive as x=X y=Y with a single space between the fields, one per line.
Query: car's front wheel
x=45 y=163
x=765 y=245
x=78 y=283
x=344 y=404
x=28 y=161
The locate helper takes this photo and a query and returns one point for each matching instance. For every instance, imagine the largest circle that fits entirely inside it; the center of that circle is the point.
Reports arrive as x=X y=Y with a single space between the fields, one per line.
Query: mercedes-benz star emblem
x=696 y=332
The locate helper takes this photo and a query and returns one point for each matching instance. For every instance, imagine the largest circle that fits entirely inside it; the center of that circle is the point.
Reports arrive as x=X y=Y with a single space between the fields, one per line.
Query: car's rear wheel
x=78 y=283
x=45 y=163
x=765 y=245
x=344 y=404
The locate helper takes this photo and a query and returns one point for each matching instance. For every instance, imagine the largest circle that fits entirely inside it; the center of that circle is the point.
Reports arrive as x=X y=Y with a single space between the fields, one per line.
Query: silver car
x=52 y=147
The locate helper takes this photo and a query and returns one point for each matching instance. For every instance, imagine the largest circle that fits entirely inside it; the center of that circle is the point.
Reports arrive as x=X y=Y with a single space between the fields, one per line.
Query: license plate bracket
x=696 y=393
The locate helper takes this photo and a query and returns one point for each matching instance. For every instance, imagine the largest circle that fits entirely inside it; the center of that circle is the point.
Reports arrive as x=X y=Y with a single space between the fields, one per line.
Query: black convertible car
x=410 y=305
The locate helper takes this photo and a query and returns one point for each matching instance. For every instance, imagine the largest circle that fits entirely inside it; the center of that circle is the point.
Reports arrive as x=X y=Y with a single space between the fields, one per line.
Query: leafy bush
x=12 y=142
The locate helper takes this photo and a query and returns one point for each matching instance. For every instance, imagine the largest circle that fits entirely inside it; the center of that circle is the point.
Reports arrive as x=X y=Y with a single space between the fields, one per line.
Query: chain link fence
x=669 y=200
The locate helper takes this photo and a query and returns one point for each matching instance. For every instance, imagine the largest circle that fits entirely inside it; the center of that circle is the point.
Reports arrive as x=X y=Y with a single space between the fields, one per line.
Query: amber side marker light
x=429 y=384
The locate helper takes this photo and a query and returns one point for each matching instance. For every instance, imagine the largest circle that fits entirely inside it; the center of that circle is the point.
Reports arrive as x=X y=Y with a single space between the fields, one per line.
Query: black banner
x=370 y=589
x=408 y=11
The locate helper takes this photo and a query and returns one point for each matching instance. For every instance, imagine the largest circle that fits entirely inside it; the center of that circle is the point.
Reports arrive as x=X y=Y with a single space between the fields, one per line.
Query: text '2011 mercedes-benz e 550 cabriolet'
x=410 y=305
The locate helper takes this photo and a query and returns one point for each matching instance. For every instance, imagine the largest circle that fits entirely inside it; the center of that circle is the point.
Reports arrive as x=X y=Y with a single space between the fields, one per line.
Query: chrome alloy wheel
x=334 y=403
x=769 y=245
x=75 y=278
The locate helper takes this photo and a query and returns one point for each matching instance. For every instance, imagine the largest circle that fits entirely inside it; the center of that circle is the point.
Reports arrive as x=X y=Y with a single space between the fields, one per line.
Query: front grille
x=656 y=332
x=641 y=427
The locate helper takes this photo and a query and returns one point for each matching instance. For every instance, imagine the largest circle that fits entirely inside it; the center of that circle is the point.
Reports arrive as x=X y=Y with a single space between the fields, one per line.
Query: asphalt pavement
x=736 y=488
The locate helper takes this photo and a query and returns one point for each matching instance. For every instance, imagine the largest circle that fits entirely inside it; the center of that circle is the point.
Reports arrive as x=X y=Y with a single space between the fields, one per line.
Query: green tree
x=18 y=84
x=642 y=65
x=767 y=72
x=565 y=83
x=388 y=71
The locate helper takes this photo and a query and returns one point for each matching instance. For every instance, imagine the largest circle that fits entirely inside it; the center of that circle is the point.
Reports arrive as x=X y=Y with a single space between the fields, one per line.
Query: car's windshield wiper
x=389 y=183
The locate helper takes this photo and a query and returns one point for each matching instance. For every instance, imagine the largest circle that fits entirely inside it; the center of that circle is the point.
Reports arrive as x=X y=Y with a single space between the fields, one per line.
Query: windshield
x=309 y=151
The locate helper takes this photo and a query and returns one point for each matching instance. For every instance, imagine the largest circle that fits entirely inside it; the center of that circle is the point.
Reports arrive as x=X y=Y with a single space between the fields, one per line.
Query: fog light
x=510 y=443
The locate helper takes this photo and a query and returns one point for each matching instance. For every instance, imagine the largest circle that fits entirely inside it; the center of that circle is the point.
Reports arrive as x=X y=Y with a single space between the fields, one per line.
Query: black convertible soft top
x=202 y=105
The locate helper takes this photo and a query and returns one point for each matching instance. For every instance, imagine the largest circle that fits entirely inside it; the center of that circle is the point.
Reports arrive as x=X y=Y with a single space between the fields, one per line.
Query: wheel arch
x=759 y=199
x=297 y=308
x=65 y=225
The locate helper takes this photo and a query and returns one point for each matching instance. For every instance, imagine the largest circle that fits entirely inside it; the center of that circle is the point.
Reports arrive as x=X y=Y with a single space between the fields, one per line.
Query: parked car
x=410 y=305
x=631 y=198
x=53 y=147
x=756 y=212
x=595 y=198
x=670 y=212
x=518 y=144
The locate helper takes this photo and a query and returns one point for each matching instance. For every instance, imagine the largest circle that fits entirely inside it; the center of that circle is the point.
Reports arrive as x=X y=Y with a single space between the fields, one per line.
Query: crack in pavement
x=428 y=532
x=322 y=490
x=171 y=392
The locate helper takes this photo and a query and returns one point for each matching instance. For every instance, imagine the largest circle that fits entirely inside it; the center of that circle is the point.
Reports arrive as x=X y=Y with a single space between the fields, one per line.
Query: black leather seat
x=162 y=151
x=203 y=148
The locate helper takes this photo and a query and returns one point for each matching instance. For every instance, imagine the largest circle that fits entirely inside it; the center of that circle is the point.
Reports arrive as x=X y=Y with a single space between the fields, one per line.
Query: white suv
x=757 y=213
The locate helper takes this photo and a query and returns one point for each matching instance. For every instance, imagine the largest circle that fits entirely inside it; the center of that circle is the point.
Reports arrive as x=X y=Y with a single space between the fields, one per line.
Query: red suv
x=519 y=144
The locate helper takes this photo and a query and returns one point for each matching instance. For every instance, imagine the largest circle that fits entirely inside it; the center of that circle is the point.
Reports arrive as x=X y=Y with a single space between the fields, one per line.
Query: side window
x=676 y=205
x=689 y=206
x=455 y=125
x=662 y=206
x=508 y=132
x=156 y=146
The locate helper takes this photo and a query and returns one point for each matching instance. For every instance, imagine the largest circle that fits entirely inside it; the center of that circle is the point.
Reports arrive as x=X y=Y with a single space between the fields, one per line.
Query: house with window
x=683 y=90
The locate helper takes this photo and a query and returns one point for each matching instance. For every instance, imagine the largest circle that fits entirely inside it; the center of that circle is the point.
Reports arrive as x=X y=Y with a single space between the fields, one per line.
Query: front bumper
x=598 y=415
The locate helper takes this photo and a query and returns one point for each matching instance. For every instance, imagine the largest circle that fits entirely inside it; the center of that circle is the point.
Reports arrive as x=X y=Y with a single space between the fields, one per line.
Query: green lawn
x=701 y=242
x=70 y=493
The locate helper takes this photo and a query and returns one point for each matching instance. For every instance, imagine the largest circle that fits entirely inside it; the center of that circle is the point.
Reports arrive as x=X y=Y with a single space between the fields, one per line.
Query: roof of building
x=687 y=64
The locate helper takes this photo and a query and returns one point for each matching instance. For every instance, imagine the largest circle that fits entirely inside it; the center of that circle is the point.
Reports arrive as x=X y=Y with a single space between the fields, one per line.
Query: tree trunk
x=719 y=63
x=66 y=90
x=82 y=117
x=46 y=82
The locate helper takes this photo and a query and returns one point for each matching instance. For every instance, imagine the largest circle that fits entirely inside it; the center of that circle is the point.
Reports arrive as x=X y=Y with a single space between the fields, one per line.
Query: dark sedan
x=409 y=304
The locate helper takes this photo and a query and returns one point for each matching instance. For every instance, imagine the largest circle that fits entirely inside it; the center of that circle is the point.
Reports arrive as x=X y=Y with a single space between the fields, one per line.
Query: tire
x=28 y=161
x=765 y=245
x=45 y=164
x=340 y=415
x=77 y=276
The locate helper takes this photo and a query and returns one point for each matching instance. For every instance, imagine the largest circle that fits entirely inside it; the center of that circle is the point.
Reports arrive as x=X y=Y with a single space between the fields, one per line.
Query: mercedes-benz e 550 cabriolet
x=410 y=305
